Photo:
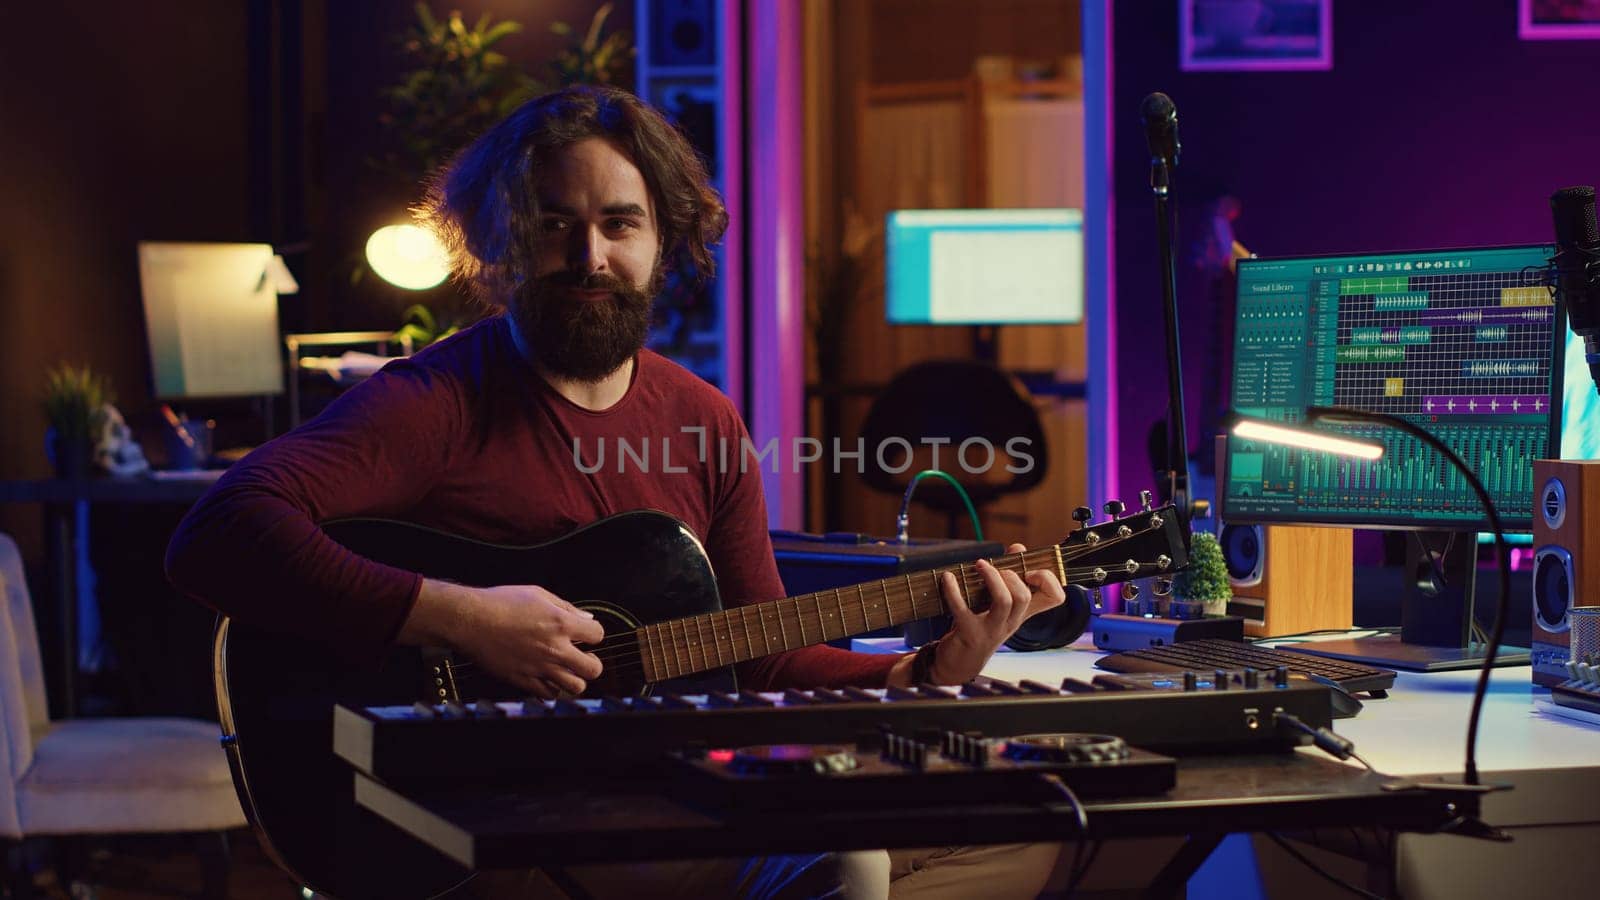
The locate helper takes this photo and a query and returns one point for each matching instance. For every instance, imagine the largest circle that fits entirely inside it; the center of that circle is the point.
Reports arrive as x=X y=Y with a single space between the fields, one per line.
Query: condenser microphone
x=1577 y=267
x=1160 y=118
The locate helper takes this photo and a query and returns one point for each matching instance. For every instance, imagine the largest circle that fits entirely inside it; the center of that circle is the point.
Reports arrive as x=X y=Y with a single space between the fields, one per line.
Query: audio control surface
x=1211 y=655
x=904 y=772
x=540 y=739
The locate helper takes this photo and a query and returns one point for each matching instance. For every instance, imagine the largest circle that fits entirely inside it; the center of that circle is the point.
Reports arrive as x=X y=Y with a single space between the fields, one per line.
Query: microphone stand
x=1177 y=434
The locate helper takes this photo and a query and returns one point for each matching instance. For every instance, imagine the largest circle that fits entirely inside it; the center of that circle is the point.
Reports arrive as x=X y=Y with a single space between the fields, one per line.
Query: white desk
x=1420 y=728
x=1553 y=764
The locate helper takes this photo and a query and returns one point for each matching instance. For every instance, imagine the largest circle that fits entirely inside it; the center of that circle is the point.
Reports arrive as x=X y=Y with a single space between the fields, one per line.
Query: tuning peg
x=1145 y=498
x=1115 y=508
x=1082 y=515
x=1130 y=591
x=1163 y=587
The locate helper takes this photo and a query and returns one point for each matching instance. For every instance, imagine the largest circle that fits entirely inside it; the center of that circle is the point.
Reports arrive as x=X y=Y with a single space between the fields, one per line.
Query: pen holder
x=189 y=444
x=1585 y=633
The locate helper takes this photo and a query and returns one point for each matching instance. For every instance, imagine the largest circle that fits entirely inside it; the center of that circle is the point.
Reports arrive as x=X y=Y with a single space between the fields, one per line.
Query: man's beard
x=579 y=338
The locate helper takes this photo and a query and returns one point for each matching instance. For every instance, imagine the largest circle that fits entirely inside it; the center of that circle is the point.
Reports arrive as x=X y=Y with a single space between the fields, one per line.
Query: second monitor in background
x=1458 y=342
x=984 y=266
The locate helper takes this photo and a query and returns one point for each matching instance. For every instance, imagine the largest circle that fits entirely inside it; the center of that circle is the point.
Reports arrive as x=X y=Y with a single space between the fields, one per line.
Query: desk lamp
x=1310 y=439
x=408 y=256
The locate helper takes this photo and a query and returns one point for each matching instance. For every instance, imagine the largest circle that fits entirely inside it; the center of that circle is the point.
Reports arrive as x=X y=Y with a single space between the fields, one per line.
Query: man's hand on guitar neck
x=973 y=636
x=523 y=634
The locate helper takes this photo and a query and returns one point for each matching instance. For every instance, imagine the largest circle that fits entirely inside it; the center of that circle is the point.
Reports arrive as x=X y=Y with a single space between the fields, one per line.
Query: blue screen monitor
x=1465 y=344
x=984 y=266
x=1462 y=343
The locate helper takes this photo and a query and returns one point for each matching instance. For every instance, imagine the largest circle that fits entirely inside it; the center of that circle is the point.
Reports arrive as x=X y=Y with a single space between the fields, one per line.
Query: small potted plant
x=74 y=402
x=1206 y=578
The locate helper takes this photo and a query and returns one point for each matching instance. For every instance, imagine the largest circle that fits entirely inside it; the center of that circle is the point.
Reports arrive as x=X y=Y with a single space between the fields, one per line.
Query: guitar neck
x=682 y=647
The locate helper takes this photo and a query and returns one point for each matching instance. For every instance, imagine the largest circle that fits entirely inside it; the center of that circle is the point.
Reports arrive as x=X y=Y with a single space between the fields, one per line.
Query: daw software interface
x=1460 y=342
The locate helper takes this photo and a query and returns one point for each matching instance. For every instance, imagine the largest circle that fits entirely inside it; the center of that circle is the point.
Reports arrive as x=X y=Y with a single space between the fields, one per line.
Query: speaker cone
x=1552 y=588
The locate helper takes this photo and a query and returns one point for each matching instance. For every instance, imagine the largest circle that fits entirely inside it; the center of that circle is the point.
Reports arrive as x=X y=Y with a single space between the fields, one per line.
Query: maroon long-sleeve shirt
x=467 y=438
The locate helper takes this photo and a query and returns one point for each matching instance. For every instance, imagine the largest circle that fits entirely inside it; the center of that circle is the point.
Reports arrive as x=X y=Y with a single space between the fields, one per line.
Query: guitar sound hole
x=622 y=674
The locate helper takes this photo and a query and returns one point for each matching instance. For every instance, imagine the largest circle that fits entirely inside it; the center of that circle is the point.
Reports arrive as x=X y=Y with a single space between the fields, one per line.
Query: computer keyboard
x=1211 y=654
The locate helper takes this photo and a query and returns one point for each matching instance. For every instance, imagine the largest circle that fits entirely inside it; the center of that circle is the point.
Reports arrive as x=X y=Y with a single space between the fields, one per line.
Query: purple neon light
x=1529 y=30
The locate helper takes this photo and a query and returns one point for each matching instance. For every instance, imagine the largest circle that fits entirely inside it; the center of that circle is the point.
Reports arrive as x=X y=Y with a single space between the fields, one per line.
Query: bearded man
x=564 y=213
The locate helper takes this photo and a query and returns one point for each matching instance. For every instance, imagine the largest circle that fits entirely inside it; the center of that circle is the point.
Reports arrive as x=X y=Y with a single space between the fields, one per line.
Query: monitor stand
x=1435 y=614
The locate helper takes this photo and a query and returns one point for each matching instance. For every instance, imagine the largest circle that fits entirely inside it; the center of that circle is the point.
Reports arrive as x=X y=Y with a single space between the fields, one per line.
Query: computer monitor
x=984 y=266
x=211 y=317
x=1459 y=342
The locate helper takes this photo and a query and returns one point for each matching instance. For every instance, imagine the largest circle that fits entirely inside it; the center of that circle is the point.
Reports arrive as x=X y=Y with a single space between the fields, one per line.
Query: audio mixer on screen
x=1460 y=342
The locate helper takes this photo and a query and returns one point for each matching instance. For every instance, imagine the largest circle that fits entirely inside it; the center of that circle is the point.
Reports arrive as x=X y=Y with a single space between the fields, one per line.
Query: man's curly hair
x=484 y=204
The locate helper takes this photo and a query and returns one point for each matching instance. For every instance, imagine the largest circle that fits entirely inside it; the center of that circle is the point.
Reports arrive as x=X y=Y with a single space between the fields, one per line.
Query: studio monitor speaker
x=1286 y=579
x=1566 y=557
x=682 y=32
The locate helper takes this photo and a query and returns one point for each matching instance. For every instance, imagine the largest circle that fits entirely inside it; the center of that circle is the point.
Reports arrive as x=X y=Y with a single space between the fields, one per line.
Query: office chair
x=958 y=400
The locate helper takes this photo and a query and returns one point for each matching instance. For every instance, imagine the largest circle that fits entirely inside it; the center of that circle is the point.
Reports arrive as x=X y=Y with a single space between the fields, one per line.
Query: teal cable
x=905 y=504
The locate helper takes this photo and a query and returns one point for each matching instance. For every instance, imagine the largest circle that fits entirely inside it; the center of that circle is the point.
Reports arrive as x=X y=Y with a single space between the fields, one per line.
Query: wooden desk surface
x=134 y=489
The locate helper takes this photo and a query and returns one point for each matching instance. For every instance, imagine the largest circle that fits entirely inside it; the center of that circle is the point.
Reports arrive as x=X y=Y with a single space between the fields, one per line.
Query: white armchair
x=96 y=776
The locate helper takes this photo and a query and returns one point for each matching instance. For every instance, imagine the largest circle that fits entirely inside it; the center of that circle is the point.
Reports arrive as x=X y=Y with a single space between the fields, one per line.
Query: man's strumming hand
x=522 y=634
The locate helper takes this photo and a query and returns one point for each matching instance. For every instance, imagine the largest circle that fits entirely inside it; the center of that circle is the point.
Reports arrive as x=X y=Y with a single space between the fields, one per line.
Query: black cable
x=1328 y=741
x=1293 y=638
x=1357 y=757
x=1066 y=792
x=1083 y=824
x=1328 y=876
x=1076 y=873
x=1497 y=631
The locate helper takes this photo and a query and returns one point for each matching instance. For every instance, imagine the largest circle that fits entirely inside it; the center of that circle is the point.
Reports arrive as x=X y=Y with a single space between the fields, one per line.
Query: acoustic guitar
x=646 y=579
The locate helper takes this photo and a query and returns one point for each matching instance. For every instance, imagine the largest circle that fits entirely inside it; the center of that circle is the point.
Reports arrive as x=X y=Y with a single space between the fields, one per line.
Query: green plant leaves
x=1206 y=578
x=73 y=400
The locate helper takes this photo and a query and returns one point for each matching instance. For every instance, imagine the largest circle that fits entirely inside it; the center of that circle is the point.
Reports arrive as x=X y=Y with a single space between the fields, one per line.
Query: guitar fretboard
x=713 y=640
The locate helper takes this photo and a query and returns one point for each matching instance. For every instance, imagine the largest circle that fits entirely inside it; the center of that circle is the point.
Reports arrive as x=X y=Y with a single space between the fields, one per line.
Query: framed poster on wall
x=1553 y=20
x=1255 y=35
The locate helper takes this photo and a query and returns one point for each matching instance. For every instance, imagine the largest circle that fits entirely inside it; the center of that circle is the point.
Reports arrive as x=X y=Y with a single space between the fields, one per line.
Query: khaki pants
x=995 y=872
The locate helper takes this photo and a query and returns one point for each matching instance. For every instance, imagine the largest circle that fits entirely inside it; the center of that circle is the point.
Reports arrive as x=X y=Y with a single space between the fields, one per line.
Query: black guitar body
x=276 y=694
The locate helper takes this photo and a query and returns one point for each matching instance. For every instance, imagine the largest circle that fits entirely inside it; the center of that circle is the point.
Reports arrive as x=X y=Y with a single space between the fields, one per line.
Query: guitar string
x=628 y=651
x=625 y=650
x=627 y=641
x=632 y=657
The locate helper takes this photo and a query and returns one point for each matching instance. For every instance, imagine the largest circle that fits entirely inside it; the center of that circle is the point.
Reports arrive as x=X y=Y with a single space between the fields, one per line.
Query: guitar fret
x=782 y=632
x=838 y=601
x=688 y=647
x=733 y=655
x=712 y=619
x=699 y=627
x=800 y=621
x=866 y=622
x=664 y=637
x=744 y=619
x=699 y=630
x=1061 y=567
x=698 y=639
x=911 y=592
x=653 y=672
x=766 y=638
x=679 y=650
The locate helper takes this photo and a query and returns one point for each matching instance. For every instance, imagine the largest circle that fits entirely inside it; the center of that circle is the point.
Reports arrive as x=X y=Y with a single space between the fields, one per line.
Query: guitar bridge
x=439 y=676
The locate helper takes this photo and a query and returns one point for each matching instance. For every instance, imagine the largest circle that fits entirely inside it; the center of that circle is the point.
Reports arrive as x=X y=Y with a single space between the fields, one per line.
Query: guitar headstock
x=1146 y=543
